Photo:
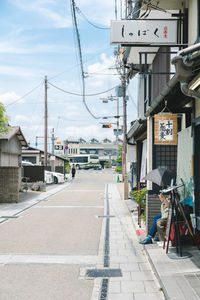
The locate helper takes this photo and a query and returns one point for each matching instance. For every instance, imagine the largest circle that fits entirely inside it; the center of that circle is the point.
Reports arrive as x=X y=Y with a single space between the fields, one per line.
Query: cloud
x=51 y=10
x=86 y=132
x=99 y=12
x=100 y=73
x=14 y=47
x=9 y=97
x=22 y=118
x=16 y=71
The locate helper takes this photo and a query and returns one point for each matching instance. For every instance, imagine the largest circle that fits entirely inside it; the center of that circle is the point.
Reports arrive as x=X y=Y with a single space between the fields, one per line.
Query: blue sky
x=36 y=40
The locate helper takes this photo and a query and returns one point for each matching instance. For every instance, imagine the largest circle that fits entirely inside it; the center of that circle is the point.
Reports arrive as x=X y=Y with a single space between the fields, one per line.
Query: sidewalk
x=27 y=200
x=179 y=278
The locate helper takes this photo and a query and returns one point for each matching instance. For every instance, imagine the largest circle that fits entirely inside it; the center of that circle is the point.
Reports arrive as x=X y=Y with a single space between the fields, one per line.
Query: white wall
x=192 y=21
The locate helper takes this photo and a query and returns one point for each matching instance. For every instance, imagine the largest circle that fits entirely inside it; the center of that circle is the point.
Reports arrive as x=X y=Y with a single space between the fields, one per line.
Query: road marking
x=85 y=191
x=105 y=216
x=68 y=206
x=9 y=217
x=82 y=260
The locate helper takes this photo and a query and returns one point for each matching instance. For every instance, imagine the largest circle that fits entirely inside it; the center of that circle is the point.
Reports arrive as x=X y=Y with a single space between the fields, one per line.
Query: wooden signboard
x=165 y=129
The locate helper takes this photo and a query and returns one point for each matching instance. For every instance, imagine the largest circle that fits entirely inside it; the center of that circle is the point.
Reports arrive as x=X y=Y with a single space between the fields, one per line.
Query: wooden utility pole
x=45 y=121
x=52 y=151
x=124 y=152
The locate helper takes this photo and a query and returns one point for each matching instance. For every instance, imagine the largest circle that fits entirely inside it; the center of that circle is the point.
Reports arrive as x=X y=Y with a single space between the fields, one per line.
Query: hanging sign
x=144 y=32
x=165 y=129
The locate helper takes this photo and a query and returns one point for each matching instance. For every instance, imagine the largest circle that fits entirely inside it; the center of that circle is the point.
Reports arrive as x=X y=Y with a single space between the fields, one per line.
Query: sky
x=36 y=40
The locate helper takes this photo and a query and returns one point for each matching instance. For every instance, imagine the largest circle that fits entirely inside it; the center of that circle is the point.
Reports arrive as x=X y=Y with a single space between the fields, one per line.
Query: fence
x=34 y=173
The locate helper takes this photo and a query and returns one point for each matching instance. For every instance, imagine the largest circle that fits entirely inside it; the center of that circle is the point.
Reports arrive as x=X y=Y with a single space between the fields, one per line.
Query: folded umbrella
x=160 y=176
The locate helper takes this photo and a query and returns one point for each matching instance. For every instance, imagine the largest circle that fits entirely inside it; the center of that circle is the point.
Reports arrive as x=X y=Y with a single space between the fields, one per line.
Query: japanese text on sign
x=144 y=31
x=166 y=130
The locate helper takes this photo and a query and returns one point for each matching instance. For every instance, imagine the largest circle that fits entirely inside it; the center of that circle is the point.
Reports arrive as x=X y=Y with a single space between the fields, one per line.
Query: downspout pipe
x=189 y=50
x=163 y=94
x=183 y=75
x=184 y=72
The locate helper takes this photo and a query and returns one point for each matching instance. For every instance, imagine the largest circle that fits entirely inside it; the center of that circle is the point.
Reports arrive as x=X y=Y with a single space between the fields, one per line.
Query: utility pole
x=45 y=121
x=117 y=137
x=124 y=152
x=52 y=150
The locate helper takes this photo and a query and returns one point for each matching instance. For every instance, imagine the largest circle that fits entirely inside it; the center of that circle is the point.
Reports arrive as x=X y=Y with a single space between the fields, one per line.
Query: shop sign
x=144 y=32
x=165 y=129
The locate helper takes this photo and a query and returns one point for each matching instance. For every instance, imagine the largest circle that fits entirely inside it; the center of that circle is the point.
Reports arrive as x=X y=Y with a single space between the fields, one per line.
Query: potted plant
x=140 y=199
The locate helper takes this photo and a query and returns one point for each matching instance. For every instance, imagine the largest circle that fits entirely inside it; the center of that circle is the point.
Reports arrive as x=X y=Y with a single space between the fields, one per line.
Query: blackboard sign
x=169 y=219
x=168 y=229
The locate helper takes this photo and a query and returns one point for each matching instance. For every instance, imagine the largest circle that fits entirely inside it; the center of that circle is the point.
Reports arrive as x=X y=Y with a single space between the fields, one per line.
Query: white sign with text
x=152 y=32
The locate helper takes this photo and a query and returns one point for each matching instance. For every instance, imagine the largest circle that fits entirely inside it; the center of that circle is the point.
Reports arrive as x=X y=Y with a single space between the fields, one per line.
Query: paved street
x=78 y=243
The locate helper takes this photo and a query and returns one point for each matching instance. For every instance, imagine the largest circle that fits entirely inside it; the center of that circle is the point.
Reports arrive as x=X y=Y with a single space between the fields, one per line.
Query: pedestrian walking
x=73 y=171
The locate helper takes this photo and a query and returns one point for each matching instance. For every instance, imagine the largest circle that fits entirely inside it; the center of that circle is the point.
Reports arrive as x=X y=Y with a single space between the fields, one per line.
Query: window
x=83 y=151
x=93 y=151
x=94 y=157
x=165 y=156
x=79 y=159
x=31 y=159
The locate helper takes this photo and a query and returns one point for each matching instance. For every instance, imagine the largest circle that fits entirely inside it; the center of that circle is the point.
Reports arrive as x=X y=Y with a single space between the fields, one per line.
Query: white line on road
x=67 y=206
x=85 y=190
x=83 y=260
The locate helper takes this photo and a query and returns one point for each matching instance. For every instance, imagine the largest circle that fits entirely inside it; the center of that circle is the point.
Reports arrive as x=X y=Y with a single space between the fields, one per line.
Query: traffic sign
x=58 y=147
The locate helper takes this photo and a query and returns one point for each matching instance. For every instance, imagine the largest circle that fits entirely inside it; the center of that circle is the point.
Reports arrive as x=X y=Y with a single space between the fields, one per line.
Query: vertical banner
x=143 y=169
x=165 y=129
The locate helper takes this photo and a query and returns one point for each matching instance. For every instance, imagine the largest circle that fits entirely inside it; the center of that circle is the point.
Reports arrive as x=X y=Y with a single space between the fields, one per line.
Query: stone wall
x=153 y=205
x=9 y=184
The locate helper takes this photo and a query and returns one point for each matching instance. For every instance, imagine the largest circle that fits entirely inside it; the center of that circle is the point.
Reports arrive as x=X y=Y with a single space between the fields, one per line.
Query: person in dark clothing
x=73 y=171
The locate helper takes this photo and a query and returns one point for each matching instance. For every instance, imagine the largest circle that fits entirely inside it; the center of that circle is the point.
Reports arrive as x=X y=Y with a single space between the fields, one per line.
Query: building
x=168 y=91
x=36 y=157
x=11 y=143
x=93 y=151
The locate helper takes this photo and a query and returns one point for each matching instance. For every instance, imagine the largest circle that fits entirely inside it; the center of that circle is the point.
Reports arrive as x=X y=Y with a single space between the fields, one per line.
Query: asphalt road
x=48 y=244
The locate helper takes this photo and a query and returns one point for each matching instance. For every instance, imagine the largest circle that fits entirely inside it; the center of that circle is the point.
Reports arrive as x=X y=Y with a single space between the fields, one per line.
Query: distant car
x=48 y=177
x=26 y=163
x=58 y=177
x=97 y=167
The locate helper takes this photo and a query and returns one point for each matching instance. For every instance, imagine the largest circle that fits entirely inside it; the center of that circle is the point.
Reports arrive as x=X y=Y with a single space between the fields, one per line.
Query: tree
x=3 y=119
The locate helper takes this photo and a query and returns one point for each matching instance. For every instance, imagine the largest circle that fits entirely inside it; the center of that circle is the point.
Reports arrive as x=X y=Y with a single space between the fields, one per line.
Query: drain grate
x=9 y=217
x=104 y=289
x=104 y=273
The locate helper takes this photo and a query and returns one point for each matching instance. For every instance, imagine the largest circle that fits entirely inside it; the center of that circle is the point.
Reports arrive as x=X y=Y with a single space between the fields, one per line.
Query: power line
x=87 y=95
x=17 y=100
x=96 y=26
x=73 y=6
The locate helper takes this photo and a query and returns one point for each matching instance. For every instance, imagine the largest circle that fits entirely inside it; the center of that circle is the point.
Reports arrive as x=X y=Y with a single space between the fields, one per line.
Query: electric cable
x=81 y=95
x=73 y=11
x=96 y=26
x=17 y=100
x=146 y=4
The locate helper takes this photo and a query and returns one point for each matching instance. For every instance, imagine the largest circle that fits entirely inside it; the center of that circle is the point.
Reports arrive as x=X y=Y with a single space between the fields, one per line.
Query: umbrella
x=160 y=176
